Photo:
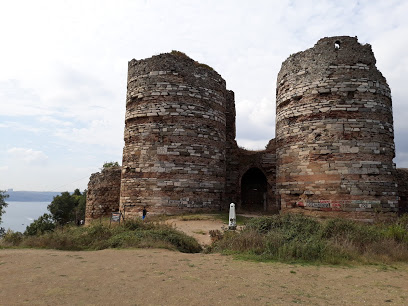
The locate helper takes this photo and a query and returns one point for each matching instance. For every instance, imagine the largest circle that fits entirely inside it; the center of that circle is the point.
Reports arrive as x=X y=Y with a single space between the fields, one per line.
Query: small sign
x=115 y=217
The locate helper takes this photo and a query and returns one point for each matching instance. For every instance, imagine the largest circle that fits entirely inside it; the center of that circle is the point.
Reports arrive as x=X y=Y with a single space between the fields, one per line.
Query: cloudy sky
x=63 y=70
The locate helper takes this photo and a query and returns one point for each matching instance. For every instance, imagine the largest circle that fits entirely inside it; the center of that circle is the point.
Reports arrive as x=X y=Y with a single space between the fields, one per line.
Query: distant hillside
x=31 y=196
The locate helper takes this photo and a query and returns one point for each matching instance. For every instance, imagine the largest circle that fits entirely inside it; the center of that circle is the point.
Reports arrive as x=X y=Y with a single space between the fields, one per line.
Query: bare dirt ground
x=162 y=277
x=199 y=229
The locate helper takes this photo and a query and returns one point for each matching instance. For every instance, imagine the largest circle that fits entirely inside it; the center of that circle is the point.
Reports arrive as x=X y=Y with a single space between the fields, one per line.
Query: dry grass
x=132 y=234
x=333 y=241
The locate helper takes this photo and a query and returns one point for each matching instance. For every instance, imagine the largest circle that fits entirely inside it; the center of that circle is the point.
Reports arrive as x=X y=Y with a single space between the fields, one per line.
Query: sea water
x=19 y=215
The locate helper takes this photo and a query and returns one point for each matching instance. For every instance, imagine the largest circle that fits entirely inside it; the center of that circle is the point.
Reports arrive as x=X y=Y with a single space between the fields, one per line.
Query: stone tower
x=175 y=136
x=334 y=131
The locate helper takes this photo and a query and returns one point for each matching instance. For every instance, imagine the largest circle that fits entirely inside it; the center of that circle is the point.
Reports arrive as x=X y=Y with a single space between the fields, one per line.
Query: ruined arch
x=254 y=190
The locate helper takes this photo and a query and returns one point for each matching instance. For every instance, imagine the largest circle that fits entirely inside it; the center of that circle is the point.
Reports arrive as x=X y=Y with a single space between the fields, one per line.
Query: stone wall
x=239 y=162
x=334 y=131
x=103 y=193
x=175 y=136
x=332 y=155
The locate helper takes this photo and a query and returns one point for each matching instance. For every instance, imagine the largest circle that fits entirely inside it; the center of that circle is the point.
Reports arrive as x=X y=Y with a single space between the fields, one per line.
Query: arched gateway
x=332 y=156
x=253 y=190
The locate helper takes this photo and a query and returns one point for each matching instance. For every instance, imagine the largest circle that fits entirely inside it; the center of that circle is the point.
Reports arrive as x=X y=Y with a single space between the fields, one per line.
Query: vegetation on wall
x=110 y=164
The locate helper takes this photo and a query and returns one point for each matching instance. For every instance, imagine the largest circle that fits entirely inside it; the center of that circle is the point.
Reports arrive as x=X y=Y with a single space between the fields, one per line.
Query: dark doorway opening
x=253 y=190
x=403 y=205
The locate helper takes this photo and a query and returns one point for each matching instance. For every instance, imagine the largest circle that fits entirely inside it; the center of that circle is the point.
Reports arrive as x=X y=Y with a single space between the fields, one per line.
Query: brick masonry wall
x=239 y=161
x=175 y=136
x=334 y=131
x=103 y=193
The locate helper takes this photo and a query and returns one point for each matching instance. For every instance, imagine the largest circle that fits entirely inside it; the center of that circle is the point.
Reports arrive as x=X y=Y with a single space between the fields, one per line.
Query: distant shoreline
x=31 y=196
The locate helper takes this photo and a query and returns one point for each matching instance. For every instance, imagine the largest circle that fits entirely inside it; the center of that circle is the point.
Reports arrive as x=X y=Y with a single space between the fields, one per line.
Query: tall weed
x=292 y=237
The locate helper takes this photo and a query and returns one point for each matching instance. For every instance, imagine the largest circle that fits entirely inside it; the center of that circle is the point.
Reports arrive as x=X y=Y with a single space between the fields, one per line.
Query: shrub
x=99 y=236
x=396 y=232
x=178 y=240
x=110 y=164
x=12 y=238
x=43 y=224
x=292 y=237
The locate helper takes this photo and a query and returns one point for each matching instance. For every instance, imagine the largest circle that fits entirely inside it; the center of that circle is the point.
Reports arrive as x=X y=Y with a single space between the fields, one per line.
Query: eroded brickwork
x=332 y=155
x=175 y=136
x=103 y=193
x=334 y=130
x=239 y=162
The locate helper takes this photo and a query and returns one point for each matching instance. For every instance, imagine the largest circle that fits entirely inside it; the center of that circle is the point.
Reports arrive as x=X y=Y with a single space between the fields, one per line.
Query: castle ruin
x=332 y=155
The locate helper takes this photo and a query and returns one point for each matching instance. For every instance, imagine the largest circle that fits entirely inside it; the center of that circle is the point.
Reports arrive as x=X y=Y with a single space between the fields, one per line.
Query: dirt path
x=199 y=229
x=161 y=277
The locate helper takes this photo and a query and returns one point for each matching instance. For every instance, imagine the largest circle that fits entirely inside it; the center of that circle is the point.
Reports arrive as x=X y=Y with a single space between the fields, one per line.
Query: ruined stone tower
x=175 y=135
x=334 y=130
x=333 y=152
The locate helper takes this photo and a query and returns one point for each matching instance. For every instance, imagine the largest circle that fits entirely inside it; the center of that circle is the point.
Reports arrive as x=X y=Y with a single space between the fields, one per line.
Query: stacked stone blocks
x=333 y=152
x=103 y=193
x=175 y=134
x=334 y=130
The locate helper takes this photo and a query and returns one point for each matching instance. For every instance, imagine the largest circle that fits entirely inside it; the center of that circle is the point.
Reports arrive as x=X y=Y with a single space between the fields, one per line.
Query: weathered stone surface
x=344 y=138
x=103 y=192
x=175 y=136
x=332 y=155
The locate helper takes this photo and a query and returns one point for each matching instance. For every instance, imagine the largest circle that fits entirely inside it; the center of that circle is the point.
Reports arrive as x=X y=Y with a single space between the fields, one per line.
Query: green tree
x=44 y=223
x=62 y=208
x=81 y=204
x=3 y=203
x=66 y=208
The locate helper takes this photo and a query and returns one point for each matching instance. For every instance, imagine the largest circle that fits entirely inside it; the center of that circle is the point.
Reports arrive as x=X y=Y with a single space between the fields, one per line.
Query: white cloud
x=18 y=126
x=29 y=156
x=54 y=121
x=255 y=122
x=250 y=144
x=107 y=133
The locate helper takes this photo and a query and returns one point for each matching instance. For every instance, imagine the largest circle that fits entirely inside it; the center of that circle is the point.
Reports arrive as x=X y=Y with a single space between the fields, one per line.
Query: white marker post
x=232 y=225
